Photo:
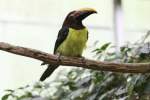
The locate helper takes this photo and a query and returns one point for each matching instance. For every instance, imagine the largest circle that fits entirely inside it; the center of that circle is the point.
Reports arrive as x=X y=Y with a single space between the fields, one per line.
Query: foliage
x=85 y=84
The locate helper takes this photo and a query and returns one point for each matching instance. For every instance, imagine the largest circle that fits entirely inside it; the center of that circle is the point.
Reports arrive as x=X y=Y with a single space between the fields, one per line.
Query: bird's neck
x=75 y=25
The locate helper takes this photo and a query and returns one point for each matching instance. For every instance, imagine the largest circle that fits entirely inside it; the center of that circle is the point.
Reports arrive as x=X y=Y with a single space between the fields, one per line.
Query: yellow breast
x=75 y=42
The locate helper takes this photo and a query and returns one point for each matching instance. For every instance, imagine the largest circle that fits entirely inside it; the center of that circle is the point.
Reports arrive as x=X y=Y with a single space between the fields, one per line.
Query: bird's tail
x=50 y=69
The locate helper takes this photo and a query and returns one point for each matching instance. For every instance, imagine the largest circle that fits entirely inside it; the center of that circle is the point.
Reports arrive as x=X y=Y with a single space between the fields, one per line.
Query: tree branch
x=78 y=62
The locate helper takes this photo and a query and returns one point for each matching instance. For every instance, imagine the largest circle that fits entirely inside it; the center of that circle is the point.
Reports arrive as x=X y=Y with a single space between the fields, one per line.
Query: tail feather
x=50 y=69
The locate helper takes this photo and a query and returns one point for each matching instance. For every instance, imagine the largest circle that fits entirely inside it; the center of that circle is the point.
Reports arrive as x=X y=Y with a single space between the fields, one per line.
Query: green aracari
x=72 y=37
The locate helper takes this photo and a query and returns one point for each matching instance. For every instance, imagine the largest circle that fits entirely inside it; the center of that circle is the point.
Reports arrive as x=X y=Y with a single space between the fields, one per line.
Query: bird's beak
x=90 y=10
x=84 y=12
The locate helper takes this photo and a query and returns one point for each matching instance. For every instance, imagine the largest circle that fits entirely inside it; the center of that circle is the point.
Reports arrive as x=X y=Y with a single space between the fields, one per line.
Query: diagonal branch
x=78 y=62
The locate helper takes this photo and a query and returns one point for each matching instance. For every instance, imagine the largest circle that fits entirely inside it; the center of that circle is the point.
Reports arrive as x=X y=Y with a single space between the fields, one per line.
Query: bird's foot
x=83 y=59
x=59 y=58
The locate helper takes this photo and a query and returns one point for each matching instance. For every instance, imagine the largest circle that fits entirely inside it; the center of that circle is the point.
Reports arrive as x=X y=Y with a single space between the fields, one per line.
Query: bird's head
x=74 y=18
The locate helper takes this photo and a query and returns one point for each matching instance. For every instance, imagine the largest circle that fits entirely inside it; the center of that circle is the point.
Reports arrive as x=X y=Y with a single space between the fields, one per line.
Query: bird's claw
x=83 y=59
x=59 y=58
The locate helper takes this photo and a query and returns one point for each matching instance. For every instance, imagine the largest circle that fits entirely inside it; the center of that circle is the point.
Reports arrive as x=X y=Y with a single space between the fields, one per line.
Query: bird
x=72 y=37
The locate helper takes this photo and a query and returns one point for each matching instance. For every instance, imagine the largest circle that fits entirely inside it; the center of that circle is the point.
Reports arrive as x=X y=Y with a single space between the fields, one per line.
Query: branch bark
x=78 y=62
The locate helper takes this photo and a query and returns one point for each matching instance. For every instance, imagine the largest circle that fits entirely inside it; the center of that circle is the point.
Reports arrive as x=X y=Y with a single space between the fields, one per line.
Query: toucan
x=72 y=37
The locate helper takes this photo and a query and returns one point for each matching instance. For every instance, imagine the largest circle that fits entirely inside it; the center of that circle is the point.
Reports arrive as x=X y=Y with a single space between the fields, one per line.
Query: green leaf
x=96 y=50
x=98 y=77
x=122 y=49
x=105 y=46
x=125 y=49
x=102 y=48
x=9 y=90
x=5 y=97
x=71 y=85
x=72 y=75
